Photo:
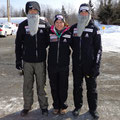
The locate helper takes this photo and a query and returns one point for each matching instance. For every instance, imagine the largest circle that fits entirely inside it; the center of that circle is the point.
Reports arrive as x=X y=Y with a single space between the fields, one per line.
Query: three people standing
x=31 y=42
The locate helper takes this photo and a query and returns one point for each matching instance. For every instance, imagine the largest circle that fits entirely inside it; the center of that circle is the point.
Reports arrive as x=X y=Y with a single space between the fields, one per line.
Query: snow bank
x=111 y=42
x=15 y=20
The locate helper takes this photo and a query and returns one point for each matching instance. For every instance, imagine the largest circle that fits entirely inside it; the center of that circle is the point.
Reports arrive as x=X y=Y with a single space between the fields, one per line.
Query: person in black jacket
x=86 y=58
x=58 y=63
x=30 y=49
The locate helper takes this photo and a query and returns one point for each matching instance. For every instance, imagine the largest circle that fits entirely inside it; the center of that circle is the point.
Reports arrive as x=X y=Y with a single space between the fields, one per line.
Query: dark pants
x=91 y=86
x=59 y=86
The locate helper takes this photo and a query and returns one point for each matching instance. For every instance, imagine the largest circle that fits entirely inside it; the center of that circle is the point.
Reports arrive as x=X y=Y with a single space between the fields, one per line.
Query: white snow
x=111 y=42
x=9 y=105
x=110 y=37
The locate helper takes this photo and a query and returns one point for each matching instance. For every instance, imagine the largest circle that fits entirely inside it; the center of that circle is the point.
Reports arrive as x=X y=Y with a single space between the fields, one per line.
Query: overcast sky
x=55 y=4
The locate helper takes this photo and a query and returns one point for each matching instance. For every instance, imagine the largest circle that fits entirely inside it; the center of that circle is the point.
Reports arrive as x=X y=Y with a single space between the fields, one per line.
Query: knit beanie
x=32 y=5
x=59 y=17
x=84 y=7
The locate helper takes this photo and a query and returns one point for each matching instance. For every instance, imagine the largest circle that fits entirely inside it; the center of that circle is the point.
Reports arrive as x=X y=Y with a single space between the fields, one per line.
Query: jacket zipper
x=36 y=46
x=58 y=37
x=80 y=50
x=58 y=49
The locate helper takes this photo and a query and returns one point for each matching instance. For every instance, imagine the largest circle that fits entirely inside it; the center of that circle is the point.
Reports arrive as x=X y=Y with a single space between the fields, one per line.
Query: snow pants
x=59 y=86
x=91 y=86
x=34 y=71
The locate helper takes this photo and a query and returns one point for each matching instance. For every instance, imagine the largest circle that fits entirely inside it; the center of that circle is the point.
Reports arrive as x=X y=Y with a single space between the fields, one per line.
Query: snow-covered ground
x=110 y=37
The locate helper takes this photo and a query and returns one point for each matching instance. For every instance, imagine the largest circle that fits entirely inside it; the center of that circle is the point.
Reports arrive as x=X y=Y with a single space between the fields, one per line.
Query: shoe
x=24 y=112
x=94 y=114
x=45 y=112
x=55 y=111
x=63 y=111
x=76 y=112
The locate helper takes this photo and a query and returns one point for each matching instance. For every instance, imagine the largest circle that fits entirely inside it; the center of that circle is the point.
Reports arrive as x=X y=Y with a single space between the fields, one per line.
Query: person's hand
x=19 y=65
x=95 y=71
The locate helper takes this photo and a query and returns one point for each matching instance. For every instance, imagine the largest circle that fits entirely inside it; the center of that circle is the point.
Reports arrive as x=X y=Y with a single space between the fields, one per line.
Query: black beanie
x=32 y=5
x=84 y=7
x=59 y=17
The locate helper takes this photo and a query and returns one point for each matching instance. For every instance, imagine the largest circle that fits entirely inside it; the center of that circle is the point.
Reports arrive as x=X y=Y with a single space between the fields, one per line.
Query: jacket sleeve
x=47 y=34
x=71 y=32
x=97 y=48
x=19 y=44
x=46 y=31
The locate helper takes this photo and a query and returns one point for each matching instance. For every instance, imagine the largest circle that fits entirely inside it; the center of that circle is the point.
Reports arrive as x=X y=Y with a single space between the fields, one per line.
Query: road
x=11 y=101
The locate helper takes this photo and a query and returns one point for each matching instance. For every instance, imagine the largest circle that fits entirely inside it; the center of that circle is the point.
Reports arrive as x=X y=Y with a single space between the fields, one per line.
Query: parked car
x=13 y=26
x=5 y=30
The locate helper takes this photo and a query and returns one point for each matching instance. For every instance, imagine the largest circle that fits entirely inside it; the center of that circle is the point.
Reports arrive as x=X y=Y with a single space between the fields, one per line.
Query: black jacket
x=31 y=48
x=59 y=48
x=87 y=49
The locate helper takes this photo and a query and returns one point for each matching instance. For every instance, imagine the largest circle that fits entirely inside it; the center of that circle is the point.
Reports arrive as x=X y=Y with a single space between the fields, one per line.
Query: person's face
x=84 y=13
x=33 y=11
x=59 y=24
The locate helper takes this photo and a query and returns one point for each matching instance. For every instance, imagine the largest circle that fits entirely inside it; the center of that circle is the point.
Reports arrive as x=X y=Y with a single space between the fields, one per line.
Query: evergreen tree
x=44 y=14
x=116 y=15
x=23 y=14
x=64 y=13
x=100 y=12
x=49 y=15
x=105 y=12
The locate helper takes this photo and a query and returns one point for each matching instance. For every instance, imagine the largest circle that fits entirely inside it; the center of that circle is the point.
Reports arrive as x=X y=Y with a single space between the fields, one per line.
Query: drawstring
x=58 y=35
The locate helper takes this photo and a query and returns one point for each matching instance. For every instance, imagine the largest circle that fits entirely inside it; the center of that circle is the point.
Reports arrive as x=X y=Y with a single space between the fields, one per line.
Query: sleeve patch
x=98 y=32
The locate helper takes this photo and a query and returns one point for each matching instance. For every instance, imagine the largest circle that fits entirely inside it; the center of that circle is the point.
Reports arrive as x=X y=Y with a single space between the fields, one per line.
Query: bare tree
x=64 y=13
x=23 y=14
x=72 y=15
x=3 y=12
x=17 y=13
x=12 y=11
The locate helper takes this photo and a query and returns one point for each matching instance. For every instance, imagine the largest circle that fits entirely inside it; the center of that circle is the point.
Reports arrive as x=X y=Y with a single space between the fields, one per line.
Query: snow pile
x=111 y=42
x=110 y=38
x=15 y=20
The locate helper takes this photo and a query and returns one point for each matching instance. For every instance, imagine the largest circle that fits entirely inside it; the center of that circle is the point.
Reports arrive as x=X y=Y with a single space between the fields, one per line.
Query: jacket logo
x=27 y=30
x=64 y=40
x=41 y=31
x=53 y=38
x=75 y=32
x=87 y=35
x=67 y=36
x=41 y=26
x=88 y=30
x=98 y=32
